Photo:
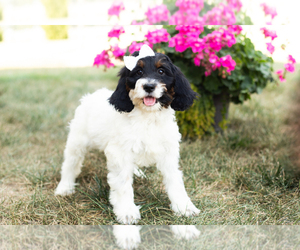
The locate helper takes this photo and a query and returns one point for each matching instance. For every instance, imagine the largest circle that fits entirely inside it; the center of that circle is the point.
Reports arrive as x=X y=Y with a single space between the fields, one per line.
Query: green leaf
x=247 y=83
x=212 y=84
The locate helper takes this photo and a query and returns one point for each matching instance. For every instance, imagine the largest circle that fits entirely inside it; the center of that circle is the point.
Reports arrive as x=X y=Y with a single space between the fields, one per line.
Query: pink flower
x=116 y=31
x=207 y=72
x=215 y=61
x=179 y=42
x=214 y=40
x=157 y=14
x=137 y=46
x=291 y=59
x=269 y=10
x=235 y=4
x=158 y=36
x=189 y=17
x=103 y=59
x=198 y=58
x=270 y=48
x=290 y=67
x=117 y=51
x=235 y=28
x=228 y=62
x=269 y=33
x=220 y=38
x=178 y=18
x=195 y=30
x=116 y=8
x=229 y=37
x=280 y=74
x=188 y=13
x=195 y=43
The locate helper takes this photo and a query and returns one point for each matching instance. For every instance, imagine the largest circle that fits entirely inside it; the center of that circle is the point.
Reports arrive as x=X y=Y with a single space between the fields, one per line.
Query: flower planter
x=221 y=103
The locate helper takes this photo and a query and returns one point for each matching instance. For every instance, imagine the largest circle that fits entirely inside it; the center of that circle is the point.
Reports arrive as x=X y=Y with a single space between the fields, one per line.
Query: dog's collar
x=131 y=61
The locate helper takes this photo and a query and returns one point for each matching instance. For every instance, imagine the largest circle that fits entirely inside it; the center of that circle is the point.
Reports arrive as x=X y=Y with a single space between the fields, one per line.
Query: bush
x=198 y=119
x=56 y=8
x=56 y=32
x=1 y=13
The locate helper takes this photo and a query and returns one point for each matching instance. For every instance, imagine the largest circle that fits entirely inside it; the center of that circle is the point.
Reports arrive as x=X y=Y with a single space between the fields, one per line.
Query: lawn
x=247 y=176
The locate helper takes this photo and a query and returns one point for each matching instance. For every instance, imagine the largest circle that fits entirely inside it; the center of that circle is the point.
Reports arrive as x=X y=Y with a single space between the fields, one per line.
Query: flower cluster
x=157 y=14
x=188 y=13
x=235 y=4
x=214 y=42
x=157 y=36
x=272 y=34
x=116 y=31
x=190 y=17
x=223 y=14
x=205 y=48
x=117 y=51
x=116 y=8
x=103 y=59
x=270 y=48
x=269 y=10
x=288 y=67
x=186 y=5
x=137 y=46
x=269 y=33
x=188 y=37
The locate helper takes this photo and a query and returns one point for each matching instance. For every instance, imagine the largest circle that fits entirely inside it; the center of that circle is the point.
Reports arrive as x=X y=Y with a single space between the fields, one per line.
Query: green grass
x=248 y=176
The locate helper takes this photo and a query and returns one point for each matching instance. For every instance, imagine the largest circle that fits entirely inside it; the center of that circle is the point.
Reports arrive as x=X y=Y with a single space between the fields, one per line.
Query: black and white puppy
x=135 y=126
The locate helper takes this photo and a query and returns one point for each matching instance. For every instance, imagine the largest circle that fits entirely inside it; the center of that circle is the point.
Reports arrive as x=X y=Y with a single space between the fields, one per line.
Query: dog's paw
x=188 y=209
x=186 y=232
x=64 y=189
x=128 y=216
x=127 y=236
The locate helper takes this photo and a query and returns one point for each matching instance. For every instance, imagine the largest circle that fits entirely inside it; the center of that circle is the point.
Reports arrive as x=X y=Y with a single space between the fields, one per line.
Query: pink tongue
x=149 y=101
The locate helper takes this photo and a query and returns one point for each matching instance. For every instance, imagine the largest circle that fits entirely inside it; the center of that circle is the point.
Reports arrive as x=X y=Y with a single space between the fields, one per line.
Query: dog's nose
x=149 y=87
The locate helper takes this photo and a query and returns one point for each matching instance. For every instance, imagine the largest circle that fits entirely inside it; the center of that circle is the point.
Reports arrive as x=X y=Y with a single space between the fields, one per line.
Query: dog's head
x=154 y=83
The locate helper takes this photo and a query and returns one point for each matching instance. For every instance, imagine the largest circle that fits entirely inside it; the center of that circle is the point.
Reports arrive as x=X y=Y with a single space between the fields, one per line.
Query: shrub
x=1 y=13
x=56 y=9
x=56 y=32
x=199 y=118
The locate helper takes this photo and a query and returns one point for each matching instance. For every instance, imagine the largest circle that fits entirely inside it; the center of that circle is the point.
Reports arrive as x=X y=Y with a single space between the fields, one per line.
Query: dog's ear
x=184 y=95
x=120 y=98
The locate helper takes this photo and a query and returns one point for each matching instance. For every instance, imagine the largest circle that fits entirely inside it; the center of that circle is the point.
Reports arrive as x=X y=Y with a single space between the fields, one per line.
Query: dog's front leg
x=120 y=179
x=180 y=202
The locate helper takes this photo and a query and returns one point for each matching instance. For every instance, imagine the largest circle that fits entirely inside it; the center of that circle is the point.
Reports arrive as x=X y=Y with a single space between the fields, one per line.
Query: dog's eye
x=139 y=72
x=160 y=71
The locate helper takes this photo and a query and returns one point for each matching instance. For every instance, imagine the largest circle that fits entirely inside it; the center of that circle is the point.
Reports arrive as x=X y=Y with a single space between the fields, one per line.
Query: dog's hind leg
x=73 y=157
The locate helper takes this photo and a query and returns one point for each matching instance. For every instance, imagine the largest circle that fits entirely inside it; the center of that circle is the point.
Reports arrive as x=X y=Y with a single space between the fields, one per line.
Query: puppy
x=134 y=126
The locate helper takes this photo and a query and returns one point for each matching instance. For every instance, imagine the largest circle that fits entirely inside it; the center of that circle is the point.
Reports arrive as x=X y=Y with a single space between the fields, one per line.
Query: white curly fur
x=142 y=137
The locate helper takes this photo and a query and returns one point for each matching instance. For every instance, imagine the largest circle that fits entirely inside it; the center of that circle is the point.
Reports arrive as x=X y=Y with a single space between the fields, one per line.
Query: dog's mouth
x=149 y=100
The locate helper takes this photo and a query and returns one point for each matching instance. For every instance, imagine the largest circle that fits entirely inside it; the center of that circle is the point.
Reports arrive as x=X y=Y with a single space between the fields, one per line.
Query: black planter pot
x=221 y=103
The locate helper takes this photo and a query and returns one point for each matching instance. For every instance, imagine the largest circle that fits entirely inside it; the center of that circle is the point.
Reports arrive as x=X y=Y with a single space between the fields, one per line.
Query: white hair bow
x=131 y=61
